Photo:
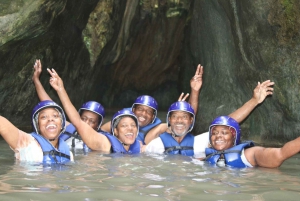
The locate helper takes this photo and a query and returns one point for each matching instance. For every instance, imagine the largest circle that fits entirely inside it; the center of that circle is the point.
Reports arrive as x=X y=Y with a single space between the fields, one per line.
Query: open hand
x=37 y=69
x=262 y=90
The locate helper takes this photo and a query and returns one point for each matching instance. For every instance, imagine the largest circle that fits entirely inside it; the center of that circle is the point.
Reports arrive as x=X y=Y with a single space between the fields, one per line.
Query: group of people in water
x=138 y=129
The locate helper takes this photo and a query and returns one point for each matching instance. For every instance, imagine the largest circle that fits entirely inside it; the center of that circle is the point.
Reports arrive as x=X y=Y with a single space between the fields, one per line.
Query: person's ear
x=116 y=132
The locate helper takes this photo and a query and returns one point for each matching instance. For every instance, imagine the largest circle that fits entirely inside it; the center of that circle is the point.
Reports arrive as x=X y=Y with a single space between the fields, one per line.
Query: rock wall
x=112 y=51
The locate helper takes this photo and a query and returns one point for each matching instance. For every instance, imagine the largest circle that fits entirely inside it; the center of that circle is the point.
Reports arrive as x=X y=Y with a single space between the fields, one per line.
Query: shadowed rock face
x=112 y=51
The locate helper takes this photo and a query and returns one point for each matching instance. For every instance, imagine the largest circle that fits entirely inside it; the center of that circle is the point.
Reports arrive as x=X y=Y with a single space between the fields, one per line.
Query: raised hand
x=55 y=81
x=37 y=70
x=262 y=90
x=196 y=81
x=181 y=98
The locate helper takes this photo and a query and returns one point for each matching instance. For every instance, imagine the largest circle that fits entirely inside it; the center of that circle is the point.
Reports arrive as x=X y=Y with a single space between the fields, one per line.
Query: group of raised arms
x=137 y=129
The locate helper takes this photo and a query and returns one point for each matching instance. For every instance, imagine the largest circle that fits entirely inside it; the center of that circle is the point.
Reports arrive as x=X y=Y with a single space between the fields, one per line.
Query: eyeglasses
x=141 y=109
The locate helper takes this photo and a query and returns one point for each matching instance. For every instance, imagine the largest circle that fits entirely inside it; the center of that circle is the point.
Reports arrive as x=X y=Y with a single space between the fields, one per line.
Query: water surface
x=143 y=177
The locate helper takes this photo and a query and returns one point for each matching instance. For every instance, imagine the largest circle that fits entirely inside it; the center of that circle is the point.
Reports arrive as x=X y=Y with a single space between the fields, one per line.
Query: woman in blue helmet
x=124 y=129
x=90 y=112
x=226 y=149
x=42 y=145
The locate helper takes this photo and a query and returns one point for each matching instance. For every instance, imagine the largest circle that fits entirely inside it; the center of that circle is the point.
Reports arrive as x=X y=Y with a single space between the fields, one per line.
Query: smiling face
x=144 y=114
x=180 y=122
x=91 y=118
x=49 y=123
x=221 y=138
x=126 y=130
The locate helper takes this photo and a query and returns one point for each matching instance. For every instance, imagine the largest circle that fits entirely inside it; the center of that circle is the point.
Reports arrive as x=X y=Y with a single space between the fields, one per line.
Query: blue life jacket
x=51 y=154
x=232 y=156
x=144 y=130
x=117 y=146
x=186 y=146
x=70 y=132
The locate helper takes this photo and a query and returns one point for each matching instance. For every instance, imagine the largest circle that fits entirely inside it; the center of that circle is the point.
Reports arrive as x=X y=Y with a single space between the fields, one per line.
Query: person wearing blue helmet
x=43 y=145
x=227 y=150
x=196 y=145
x=124 y=125
x=145 y=108
x=90 y=112
x=180 y=120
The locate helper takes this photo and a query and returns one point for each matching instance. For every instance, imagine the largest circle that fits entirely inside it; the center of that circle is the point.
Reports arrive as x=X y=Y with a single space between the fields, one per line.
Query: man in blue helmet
x=43 y=145
x=177 y=139
x=145 y=108
x=124 y=125
x=91 y=112
x=226 y=149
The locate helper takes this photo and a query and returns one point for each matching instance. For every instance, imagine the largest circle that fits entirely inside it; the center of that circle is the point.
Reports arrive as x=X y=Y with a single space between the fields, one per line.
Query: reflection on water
x=144 y=177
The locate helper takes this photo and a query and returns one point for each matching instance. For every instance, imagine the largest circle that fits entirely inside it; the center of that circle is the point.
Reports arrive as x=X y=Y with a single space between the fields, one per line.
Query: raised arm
x=261 y=91
x=42 y=94
x=90 y=137
x=196 y=84
x=9 y=132
x=272 y=157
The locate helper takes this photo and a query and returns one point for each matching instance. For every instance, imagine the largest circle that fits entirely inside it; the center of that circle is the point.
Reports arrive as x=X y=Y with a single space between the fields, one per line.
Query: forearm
x=155 y=132
x=240 y=114
x=194 y=100
x=42 y=94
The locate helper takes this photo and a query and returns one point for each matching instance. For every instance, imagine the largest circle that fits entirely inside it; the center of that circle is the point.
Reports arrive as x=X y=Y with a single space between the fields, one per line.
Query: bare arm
x=42 y=94
x=155 y=132
x=106 y=127
x=272 y=157
x=9 y=132
x=196 y=84
x=261 y=91
x=91 y=138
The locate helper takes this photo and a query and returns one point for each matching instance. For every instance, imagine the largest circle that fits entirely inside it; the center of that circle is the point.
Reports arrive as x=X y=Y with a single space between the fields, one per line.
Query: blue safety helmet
x=121 y=113
x=184 y=107
x=147 y=101
x=43 y=105
x=95 y=107
x=227 y=121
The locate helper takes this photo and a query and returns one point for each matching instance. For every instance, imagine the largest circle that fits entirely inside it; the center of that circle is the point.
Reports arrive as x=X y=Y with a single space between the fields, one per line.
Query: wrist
x=254 y=101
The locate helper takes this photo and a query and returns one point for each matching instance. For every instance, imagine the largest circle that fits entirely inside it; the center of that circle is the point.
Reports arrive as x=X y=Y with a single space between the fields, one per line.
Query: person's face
x=49 y=123
x=144 y=114
x=221 y=138
x=91 y=118
x=126 y=130
x=180 y=122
